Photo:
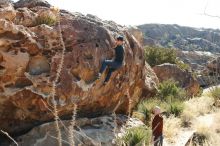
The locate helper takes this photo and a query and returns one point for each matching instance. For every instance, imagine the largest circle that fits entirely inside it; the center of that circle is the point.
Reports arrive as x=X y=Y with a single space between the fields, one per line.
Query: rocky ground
x=100 y=131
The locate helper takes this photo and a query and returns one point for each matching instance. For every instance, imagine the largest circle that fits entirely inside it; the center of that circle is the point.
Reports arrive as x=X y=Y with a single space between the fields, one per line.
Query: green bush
x=168 y=90
x=136 y=136
x=215 y=93
x=169 y=98
x=156 y=55
x=145 y=109
x=48 y=20
x=175 y=108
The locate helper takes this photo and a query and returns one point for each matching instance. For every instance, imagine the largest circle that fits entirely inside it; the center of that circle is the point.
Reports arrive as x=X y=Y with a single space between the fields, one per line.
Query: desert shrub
x=169 y=98
x=168 y=90
x=145 y=108
x=156 y=55
x=136 y=136
x=215 y=93
x=48 y=20
x=175 y=108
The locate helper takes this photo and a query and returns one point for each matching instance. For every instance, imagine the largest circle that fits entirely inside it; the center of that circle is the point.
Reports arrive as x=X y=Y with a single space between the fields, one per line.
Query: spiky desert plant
x=55 y=81
x=71 y=127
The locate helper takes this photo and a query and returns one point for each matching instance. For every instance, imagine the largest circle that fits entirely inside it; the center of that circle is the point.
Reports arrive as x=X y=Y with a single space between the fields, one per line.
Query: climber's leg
x=108 y=74
x=105 y=63
x=114 y=66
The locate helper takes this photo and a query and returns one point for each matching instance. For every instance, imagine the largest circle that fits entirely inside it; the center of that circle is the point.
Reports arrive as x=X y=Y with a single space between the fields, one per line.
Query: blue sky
x=135 y=12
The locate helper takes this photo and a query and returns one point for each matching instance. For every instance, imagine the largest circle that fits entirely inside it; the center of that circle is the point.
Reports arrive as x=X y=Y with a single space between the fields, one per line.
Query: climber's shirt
x=157 y=126
x=119 y=54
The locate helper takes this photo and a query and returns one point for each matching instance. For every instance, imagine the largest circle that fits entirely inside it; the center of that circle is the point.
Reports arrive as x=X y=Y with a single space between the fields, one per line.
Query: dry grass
x=48 y=20
x=199 y=106
x=215 y=92
x=171 y=128
x=186 y=118
x=196 y=107
x=196 y=115
x=216 y=127
x=207 y=133
x=203 y=130
x=203 y=134
x=216 y=124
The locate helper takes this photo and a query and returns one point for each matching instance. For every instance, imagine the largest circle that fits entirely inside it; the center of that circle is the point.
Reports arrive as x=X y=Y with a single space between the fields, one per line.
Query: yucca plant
x=176 y=108
x=136 y=136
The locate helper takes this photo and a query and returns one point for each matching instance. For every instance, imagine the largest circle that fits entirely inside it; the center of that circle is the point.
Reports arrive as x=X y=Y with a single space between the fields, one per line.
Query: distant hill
x=184 y=38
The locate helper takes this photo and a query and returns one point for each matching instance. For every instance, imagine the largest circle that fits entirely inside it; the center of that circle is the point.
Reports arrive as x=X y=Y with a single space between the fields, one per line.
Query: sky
x=136 y=12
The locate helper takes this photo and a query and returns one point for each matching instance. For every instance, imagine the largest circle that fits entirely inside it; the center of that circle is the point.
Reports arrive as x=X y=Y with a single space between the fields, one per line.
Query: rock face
x=186 y=80
x=137 y=33
x=30 y=56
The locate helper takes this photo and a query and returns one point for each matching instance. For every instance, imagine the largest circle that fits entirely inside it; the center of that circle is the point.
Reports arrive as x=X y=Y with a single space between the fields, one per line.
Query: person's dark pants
x=112 y=66
x=159 y=141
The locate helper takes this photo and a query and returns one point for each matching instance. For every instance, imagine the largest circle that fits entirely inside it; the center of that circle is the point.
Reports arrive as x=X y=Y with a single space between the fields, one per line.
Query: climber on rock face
x=116 y=62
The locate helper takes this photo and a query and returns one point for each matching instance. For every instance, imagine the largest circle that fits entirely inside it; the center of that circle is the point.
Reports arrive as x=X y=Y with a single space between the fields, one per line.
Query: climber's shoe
x=96 y=80
x=99 y=76
x=104 y=83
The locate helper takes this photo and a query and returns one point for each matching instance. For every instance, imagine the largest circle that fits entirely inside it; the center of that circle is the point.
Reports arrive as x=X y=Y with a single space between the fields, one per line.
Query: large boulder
x=185 y=78
x=29 y=60
x=137 y=33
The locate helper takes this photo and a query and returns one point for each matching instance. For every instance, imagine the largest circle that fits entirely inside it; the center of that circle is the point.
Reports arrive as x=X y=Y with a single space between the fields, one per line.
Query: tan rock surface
x=184 y=78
